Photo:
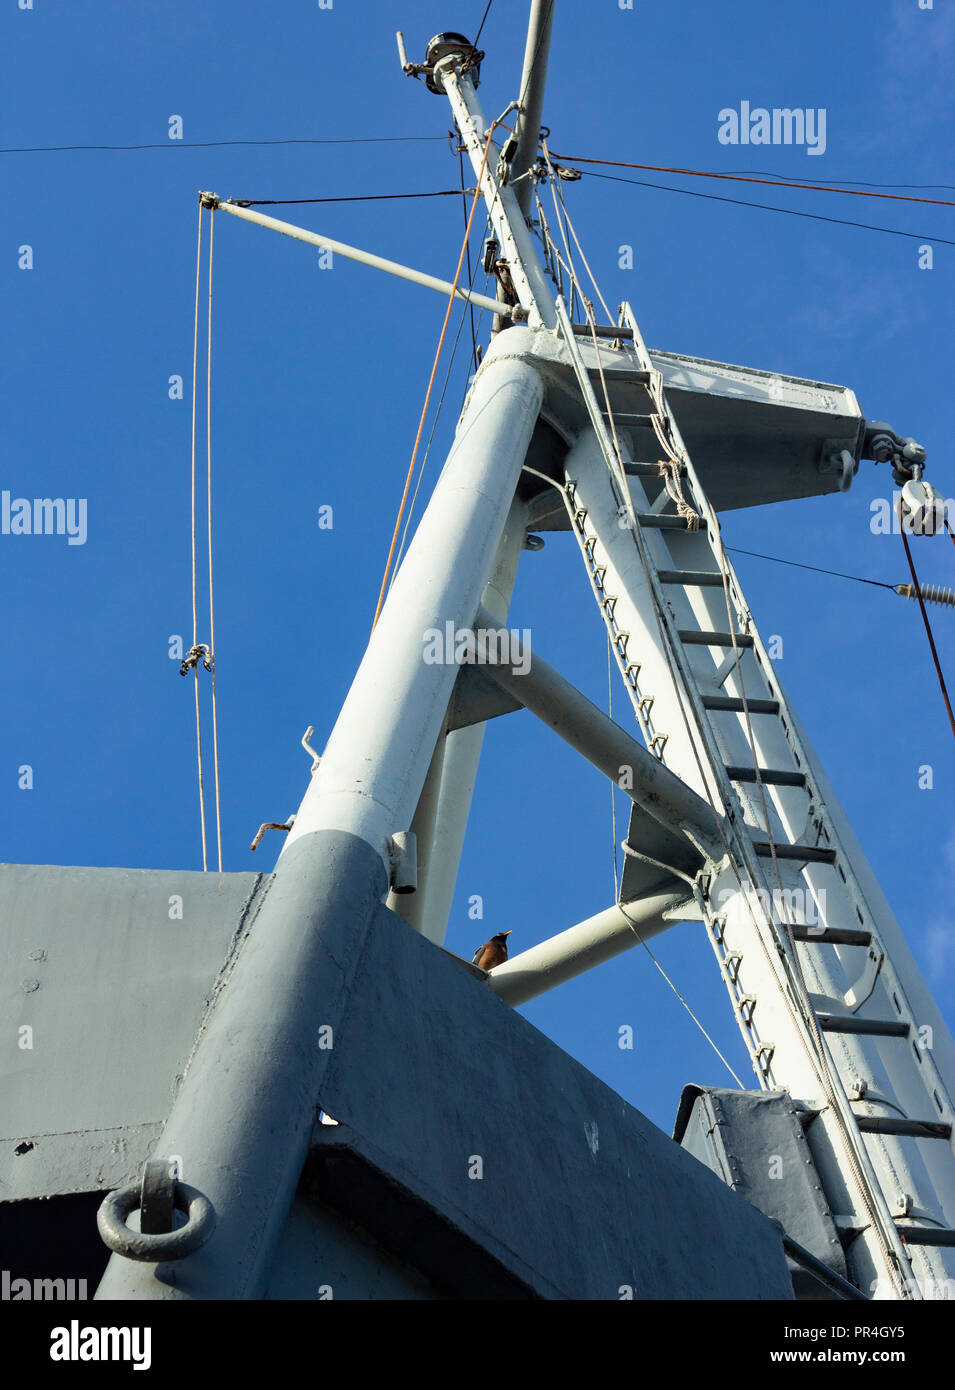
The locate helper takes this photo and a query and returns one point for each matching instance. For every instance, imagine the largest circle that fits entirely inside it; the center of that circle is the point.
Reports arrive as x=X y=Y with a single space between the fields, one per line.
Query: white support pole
x=352 y=253
x=518 y=248
x=562 y=707
x=377 y=756
x=462 y=753
x=580 y=948
x=532 y=99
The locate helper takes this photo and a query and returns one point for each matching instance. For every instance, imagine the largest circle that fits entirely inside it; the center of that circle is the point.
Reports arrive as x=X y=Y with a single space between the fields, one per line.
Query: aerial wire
x=925 y=620
x=748 y=178
x=434 y=368
x=212 y=618
x=195 y=613
x=770 y=207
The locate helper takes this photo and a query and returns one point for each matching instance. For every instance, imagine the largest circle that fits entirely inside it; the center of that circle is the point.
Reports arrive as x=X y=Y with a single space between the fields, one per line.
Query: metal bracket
x=316 y=759
x=838 y=457
x=157 y=1199
x=859 y=992
x=404 y=862
x=270 y=825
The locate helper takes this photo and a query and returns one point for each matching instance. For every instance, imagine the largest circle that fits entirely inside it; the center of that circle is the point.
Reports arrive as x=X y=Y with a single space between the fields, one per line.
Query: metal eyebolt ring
x=170 y=1245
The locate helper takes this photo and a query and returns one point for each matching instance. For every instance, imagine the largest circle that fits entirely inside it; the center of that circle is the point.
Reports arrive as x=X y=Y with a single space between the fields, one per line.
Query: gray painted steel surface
x=755 y=1142
x=428 y=1071
x=113 y=984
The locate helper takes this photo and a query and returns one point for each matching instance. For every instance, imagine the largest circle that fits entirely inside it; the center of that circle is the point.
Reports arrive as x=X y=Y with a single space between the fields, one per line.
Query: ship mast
x=733 y=823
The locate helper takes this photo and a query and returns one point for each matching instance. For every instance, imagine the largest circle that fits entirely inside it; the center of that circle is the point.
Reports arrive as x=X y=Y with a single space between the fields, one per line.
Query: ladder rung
x=926 y=1235
x=697 y=579
x=645 y=470
x=851 y=1023
x=809 y=854
x=915 y=1129
x=666 y=520
x=735 y=705
x=832 y=936
x=767 y=774
x=712 y=639
x=601 y=330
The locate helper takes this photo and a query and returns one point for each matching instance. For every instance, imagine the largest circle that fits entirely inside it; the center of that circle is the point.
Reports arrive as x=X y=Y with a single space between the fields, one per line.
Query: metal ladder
x=813 y=855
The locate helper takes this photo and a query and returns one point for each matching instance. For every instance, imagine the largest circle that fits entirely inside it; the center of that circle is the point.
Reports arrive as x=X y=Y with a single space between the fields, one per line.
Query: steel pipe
x=374 y=765
x=353 y=253
x=581 y=947
x=578 y=721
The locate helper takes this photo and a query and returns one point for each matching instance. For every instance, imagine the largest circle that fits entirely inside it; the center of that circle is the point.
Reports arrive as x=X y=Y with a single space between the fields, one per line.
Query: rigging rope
x=200 y=651
x=771 y=207
x=195 y=613
x=434 y=369
x=928 y=626
x=466 y=310
x=212 y=611
x=744 y=178
x=818 y=1054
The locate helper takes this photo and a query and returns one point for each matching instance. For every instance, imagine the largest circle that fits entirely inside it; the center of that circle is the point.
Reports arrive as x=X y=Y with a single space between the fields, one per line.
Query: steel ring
x=170 y=1245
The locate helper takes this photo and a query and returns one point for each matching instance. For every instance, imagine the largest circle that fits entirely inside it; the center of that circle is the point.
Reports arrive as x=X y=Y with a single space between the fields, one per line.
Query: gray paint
x=581 y=1194
x=114 y=990
x=321 y=1255
x=755 y=1142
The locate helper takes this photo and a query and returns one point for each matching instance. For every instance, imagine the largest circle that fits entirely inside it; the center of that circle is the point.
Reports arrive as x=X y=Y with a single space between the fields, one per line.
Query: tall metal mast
x=733 y=821
x=831 y=1005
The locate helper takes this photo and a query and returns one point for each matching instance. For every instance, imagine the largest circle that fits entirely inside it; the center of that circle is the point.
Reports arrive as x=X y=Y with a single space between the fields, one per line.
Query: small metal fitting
x=153 y=1198
x=404 y=862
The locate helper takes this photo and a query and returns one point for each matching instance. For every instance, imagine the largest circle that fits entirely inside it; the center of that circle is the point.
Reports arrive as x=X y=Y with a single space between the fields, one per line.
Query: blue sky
x=318 y=381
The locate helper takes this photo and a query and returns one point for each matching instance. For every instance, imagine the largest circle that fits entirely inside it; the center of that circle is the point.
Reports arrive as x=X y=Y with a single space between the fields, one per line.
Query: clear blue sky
x=319 y=378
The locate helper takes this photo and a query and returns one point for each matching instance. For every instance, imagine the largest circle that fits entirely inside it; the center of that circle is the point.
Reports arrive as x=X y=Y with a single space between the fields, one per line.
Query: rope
x=434 y=368
x=357 y=198
x=471 y=55
x=817 y=1054
x=212 y=611
x=687 y=1007
x=195 y=614
x=466 y=310
x=670 y=472
x=879 y=583
x=928 y=626
x=218 y=144
x=771 y=207
x=613 y=785
x=742 y=178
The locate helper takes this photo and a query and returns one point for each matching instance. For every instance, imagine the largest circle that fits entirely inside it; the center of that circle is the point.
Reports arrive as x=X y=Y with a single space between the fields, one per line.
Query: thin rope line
x=613 y=785
x=928 y=626
x=467 y=308
x=354 y=198
x=195 y=612
x=817 y=1055
x=879 y=583
x=744 y=178
x=434 y=369
x=212 y=611
x=217 y=144
x=681 y=999
x=771 y=207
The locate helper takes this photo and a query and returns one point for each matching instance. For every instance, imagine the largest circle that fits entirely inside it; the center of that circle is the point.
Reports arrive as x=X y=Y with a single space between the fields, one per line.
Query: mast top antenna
x=441 y=47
